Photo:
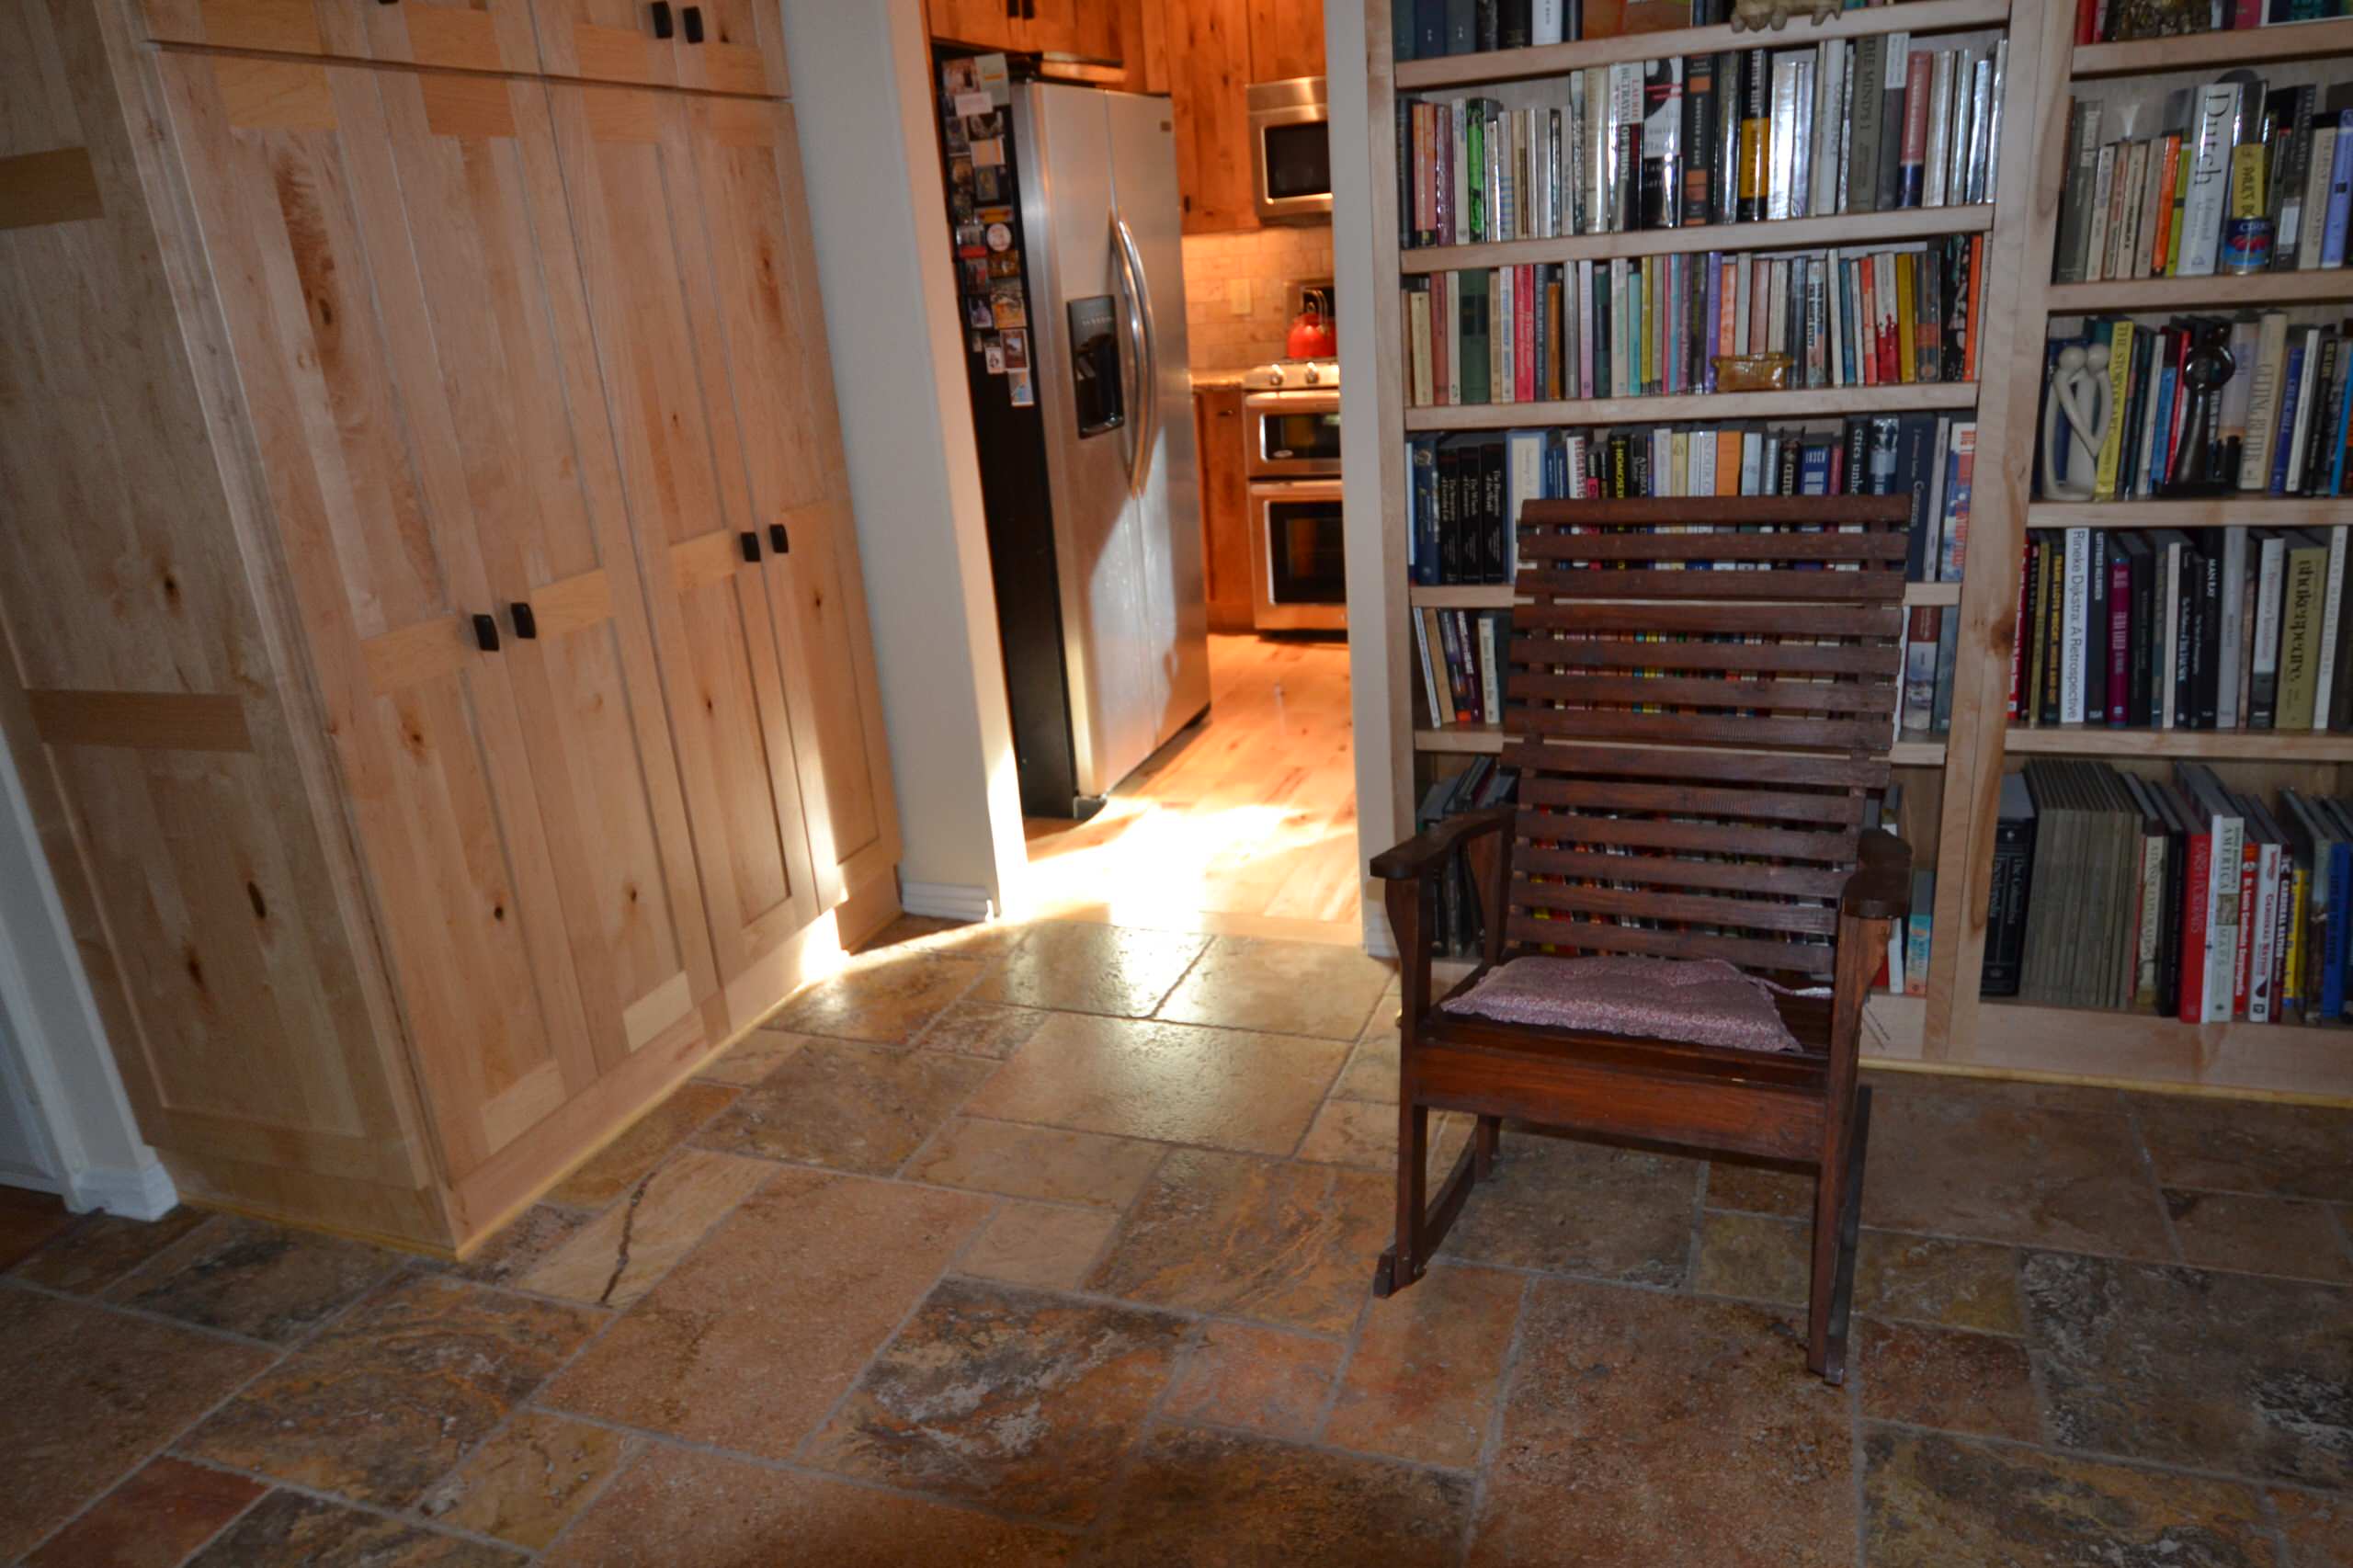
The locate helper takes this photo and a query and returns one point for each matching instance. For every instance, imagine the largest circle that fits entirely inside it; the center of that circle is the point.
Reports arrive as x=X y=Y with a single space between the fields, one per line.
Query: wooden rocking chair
x=1700 y=697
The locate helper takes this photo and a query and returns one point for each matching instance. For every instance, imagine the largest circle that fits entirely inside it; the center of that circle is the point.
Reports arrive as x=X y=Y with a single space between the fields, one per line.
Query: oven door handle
x=1145 y=349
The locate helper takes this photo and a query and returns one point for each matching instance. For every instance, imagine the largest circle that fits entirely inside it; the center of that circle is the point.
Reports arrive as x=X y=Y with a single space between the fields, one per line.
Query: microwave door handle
x=1147 y=351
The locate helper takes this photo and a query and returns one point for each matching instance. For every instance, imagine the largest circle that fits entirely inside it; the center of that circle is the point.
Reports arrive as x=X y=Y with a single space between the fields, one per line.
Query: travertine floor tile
x=1268 y=1380
x=252 y=1277
x=855 y=1108
x=286 y=1531
x=1049 y=1163
x=1957 y=1284
x=617 y=1258
x=96 y=1250
x=753 y=1058
x=1091 y=969
x=1281 y=988
x=885 y=995
x=622 y=1163
x=2241 y=1146
x=1943 y=1377
x=2260 y=1236
x=1040 y=1244
x=983 y=1029
x=152 y=1521
x=528 y=1482
x=1428 y=1367
x=1574 y=1208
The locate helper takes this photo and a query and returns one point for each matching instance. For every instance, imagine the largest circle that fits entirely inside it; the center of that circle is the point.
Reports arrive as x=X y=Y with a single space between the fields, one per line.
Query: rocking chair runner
x=1700 y=697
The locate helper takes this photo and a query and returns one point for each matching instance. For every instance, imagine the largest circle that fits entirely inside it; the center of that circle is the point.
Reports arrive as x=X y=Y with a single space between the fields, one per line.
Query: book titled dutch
x=2210 y=178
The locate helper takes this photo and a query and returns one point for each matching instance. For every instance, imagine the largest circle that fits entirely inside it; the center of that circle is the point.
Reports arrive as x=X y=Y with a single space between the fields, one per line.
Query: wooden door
x=486 y=35
x=742 y=49
x=772 y=323
x=1226 y=508
x=1286 y=39
x=389 y=307
x=984 y=24
x=1209 y=69
x=632 y=183
x=607 y=41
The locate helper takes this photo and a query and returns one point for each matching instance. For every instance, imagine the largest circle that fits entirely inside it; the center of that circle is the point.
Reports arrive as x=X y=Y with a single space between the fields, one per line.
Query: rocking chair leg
x=1484 y=1141
x=1837 y=1223
x=1401 y=1264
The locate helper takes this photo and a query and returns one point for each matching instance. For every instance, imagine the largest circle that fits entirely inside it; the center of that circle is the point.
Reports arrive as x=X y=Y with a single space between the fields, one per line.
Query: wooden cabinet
x=1208 y=67
x=450 y=714
x=984 y=24
x=1090 y=29
x=1225 y=507
x=1286 y=39
x=483 y=35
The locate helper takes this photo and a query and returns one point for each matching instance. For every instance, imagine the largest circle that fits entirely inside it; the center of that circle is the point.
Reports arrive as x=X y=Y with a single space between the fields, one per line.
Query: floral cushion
x=1695 y=1001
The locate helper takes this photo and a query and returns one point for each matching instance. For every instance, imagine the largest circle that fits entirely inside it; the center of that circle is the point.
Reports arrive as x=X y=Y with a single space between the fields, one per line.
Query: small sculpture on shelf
x=2201 y=466
x=1756 y=16
x=2076 y=408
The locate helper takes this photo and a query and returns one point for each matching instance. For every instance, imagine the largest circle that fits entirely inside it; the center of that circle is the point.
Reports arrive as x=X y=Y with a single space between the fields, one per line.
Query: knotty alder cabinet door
x=414 y=348
x=631 y=176
x=732 y=46
x=482 y=35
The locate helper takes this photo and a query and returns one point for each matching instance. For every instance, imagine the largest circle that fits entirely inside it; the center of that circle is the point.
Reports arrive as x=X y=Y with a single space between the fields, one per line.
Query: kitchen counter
x=1217 y=380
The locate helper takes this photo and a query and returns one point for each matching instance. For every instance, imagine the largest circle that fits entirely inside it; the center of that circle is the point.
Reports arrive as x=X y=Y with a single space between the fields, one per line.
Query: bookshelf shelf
x=2214 y=512
x=2097 y=1045
x=2221 y=291
x=1553 y=59
x=1503 y=595
x=1917 y=750
x=1463 y=739
x=1846 y=230
x=1907 y=398
x=2215 y=52
x=2221 y=745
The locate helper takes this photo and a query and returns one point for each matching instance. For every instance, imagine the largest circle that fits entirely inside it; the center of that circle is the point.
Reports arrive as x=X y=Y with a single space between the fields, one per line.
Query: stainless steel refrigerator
x=1093 y=492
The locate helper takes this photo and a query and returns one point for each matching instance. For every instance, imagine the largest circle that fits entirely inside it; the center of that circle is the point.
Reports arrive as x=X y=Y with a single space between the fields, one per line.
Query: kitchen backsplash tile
x=1270 y=260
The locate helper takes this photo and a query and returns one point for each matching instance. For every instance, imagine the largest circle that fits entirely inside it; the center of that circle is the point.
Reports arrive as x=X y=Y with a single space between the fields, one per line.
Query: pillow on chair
x=1695 y=1001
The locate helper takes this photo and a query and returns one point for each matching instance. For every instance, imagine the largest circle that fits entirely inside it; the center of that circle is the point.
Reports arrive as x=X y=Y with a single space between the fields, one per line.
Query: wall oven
x=1292 y=435
x=1299 y=577
x=1290 y=150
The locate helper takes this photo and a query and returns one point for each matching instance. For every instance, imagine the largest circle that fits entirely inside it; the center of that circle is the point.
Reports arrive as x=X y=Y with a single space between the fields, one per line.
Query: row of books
x=1861 y=125
x=1655 y=326
x=1931 y=648
x=1464 y=492
x=2218 y=629
x=2283 y=422
x=1905 y=971
x=2178 y=897
x=1483 y=784
x=1429 y=29
x=2232 y=177
x=2120 y=21
x=1462 y=654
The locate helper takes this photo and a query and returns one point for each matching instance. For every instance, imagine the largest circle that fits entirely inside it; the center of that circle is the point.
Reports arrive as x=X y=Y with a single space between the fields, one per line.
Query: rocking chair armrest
x=1880 y=887
x=1425 y=852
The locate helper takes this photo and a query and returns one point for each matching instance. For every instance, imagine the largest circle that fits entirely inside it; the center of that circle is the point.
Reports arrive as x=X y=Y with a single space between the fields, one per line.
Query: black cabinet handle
x=662 y=27
x=526 y=625
x=779 y=540
x=751 y=543
x=1012 y=10
x=1029 y=10
x=692 y=15
x=486 y=634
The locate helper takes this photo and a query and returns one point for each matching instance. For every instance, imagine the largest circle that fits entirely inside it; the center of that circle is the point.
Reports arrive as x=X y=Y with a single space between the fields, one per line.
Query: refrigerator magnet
x=1000 y=237
x=974 y=106
x=992 y=350
x=989 y=182
x=976 y=276
x=987 y=149
x=1017 y=349
x=1017 y=383
x=977 y=314
x=1007 y=306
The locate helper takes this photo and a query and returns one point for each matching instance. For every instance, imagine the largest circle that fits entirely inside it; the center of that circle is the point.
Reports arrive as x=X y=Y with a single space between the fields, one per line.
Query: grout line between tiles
x=2255 y=1484
x=1859 y=1458
x=411 y=1516
x=2148 y=1165
x=124 y=1309
x=232 y=1522
x=1492 y=1441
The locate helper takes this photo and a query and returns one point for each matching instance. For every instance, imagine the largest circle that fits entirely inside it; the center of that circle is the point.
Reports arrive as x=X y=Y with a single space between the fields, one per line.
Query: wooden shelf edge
x=2221 y=745
x=1917 y=750
x=2214 y=51
x=2210 y=512
x=1846 y=229
x=1504 y=595
x=1813 y=403
x=2310 y=1063
x=2223 y=290
x=1469 y=739
x=1553 y=59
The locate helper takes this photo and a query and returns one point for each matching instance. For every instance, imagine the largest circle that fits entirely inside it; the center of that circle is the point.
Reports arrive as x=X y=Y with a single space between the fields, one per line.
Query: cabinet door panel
x=780 y=374
x=742 y=49
x=1286 y=39
x=1209 y=68
x=629 y=171
x=985 y=23
x=484 y=35
x=605 y=40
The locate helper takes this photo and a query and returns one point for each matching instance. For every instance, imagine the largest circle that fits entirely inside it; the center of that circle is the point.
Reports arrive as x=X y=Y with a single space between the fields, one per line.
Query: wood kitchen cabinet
x=437 y=660
x=1286 y=39
x=1225 y=507
x=1088 y=29
x=1209 y=68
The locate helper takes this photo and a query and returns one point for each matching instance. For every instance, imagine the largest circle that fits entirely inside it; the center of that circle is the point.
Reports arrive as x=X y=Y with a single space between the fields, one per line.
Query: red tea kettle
x=1311 y=332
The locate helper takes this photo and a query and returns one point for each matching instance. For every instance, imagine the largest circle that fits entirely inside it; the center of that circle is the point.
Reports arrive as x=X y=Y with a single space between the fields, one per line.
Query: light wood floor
x=1245 y=824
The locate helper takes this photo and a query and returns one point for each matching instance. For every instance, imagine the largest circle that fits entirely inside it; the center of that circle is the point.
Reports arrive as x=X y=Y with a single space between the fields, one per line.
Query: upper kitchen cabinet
x=480 y=35
x=1208 y=71
x=984 y=24
x=1286 y=39
x=1088 y=29
x=731 y=46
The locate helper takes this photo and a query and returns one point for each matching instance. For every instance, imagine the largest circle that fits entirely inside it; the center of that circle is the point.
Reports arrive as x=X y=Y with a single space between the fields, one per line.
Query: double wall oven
x=1292 y=425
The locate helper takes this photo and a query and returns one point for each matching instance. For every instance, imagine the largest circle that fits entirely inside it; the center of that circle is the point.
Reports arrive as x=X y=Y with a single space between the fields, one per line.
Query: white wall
x=862 y=98
x=71 y=1129
x=1365 y=448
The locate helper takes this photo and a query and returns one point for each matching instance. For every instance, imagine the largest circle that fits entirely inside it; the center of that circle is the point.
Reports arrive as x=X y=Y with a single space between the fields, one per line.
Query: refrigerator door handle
x=1147 y=357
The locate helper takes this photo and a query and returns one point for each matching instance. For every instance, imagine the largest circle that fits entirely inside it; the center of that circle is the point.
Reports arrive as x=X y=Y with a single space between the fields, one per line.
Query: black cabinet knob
x=751 y=543
x=779 y=540
x=526 y=625
x=486 y=634
x=692 y=15
x=662 y=27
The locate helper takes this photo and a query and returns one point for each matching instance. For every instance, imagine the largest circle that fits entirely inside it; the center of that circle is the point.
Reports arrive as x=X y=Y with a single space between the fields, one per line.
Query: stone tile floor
x=1053 y=1245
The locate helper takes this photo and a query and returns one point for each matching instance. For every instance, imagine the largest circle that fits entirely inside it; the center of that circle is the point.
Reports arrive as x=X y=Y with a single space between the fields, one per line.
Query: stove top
x=1293 y=375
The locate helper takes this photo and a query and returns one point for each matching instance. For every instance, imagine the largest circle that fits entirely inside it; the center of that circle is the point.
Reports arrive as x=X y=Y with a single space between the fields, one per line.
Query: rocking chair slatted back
x=1699 y=697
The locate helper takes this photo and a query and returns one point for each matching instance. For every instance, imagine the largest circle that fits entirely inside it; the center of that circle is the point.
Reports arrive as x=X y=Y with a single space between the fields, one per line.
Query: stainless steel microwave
x=1290 y=150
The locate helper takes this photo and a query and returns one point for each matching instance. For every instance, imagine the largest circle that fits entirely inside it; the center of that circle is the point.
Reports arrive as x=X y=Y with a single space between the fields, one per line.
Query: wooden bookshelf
x=2210 y=512
x=1952 y=781
x=2214 y=52
x=1788 y=233
x=1911 y=397
x=2224 y=292
x=1554 y=58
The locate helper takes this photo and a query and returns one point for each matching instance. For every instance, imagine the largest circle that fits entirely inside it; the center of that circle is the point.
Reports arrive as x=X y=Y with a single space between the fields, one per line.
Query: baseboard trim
x=947 y=901
x=144 y=1192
